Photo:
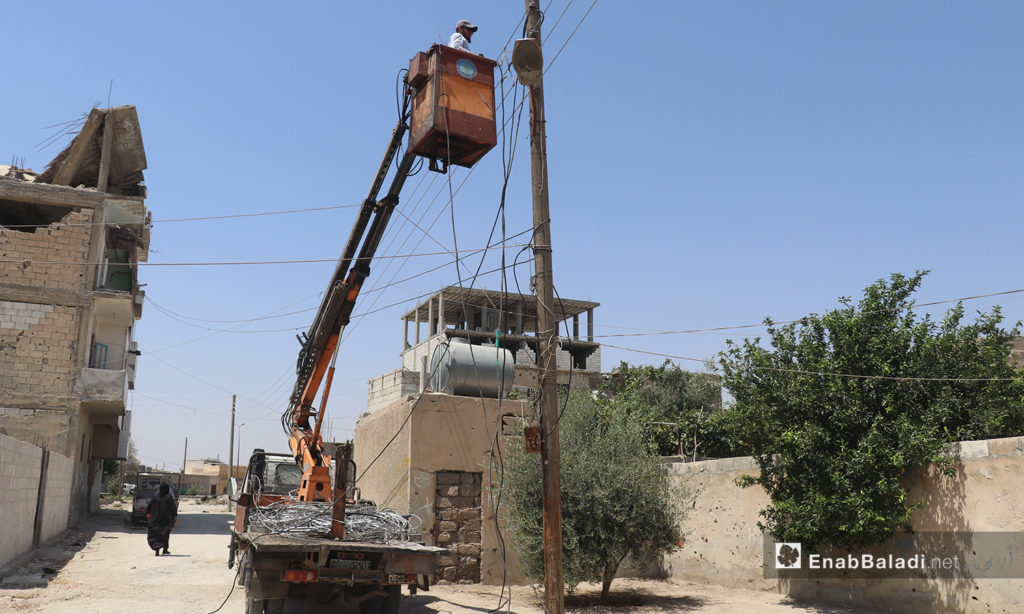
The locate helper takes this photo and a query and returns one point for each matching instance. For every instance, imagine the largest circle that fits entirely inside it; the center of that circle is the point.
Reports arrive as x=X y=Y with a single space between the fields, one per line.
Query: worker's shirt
x=458 y=41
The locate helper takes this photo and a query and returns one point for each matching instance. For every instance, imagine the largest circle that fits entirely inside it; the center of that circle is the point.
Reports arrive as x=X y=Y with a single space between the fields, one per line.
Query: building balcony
x=103 y=391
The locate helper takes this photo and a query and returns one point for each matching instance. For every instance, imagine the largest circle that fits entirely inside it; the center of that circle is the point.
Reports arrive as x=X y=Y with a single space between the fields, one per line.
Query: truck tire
x=383 y=604
x=370 y=606
x=252 y=606
x=393 y=601
x=265 y=606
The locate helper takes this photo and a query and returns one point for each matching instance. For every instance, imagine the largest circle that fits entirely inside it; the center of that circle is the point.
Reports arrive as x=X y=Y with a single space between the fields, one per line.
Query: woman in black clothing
x=162 y=514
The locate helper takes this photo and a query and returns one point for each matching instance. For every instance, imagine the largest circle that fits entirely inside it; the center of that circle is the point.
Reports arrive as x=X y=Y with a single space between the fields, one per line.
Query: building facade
x=438 y=456
x=70 y=242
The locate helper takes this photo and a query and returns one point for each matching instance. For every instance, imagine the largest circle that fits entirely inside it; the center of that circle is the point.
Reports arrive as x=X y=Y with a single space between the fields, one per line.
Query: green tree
x=681 y=410
x=112 y=471
x=843 y=405
x=617 y=500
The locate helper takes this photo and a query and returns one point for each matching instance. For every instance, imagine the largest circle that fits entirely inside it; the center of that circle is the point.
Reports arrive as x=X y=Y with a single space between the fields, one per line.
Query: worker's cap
x=465 y=23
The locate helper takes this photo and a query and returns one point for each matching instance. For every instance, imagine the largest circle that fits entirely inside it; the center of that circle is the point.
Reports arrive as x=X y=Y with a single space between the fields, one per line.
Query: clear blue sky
x=711 y=163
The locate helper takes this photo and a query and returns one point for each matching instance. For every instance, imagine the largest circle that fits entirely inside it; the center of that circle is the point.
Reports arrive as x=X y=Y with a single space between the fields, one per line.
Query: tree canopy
x=681 y=410
x=840 y=406
x=617 y=500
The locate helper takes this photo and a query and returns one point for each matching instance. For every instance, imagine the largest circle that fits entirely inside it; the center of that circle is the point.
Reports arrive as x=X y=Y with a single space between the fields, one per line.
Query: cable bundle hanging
x=363 y=521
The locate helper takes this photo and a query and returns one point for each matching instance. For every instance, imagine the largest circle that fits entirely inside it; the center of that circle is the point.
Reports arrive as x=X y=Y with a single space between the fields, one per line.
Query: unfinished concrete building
x=70 y=241
x=489 y=318
x=430 y=449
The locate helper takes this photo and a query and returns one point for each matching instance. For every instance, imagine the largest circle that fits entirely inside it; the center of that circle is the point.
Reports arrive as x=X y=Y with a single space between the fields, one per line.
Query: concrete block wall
x=390 y=387
x=724 y=546
x=527 y=357
x=19 y=482
x=59 y=476
x=20 y=472
x=38 y=348
x=43 y=257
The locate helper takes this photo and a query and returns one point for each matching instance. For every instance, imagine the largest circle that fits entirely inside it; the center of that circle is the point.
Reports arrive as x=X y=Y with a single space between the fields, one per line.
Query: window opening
x=27 y=217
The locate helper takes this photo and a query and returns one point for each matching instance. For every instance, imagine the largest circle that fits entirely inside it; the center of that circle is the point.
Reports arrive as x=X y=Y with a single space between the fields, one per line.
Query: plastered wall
x=724 y=546
x=437 y=433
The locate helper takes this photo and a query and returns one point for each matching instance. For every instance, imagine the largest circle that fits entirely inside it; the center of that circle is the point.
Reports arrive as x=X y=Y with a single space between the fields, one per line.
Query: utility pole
x=550 y=452
x=184 y=459
x=231 y=450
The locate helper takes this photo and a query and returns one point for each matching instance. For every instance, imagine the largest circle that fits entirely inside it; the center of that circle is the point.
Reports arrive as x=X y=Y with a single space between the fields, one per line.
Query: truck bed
x=264 y=542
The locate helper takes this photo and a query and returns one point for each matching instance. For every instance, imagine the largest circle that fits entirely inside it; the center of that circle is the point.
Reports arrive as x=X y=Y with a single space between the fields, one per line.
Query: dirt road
x=106 y=567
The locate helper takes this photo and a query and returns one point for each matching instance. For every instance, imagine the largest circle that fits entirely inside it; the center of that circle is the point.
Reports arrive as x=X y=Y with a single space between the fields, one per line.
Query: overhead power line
x=823 y=373
x=246 y=263
x=187 y=219
x=650 y=332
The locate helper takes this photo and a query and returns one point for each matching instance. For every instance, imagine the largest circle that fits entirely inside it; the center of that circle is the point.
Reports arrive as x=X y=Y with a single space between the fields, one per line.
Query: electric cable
x=230 y=263
x=183 y=219
x=827 y=373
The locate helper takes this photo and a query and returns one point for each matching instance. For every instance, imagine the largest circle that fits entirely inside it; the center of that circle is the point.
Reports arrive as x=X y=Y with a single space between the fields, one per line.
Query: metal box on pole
x=453 y=118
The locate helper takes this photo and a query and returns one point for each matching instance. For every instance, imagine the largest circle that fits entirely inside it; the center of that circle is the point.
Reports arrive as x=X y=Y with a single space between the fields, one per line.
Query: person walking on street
x=162 y=514
x=463 y=34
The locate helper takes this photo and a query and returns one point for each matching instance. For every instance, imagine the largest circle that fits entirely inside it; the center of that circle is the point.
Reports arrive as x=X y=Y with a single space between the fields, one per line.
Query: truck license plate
x=396 y=578
x=349 y=564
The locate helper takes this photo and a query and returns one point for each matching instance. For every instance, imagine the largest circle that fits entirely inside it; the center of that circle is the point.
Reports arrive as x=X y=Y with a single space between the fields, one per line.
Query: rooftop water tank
x=461 y=368
x=453 y=120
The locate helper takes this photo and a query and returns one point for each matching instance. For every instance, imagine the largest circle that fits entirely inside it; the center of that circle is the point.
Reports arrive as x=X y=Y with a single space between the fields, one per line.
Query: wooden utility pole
x=547 y=326
x=184 y=460
x=231 y=450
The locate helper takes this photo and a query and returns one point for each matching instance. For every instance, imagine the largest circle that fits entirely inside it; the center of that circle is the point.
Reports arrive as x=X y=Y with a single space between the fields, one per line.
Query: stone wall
x=457 y=525
x=724 y=546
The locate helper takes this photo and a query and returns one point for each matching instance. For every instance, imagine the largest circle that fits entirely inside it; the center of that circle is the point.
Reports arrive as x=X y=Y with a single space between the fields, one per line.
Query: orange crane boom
x=441 y=93
x=319 y=345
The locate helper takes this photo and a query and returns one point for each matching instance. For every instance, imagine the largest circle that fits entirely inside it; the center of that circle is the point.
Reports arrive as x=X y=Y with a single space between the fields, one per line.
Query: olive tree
x=617 y=500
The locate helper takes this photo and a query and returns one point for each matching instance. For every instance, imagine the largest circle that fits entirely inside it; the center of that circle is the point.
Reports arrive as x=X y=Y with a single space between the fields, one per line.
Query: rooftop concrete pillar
x=430 y=317
x=590 y=325
x=440 y=313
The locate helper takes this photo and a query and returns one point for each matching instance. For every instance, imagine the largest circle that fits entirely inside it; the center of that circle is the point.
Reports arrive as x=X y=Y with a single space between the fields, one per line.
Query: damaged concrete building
x=70 y=241
x=425 y=445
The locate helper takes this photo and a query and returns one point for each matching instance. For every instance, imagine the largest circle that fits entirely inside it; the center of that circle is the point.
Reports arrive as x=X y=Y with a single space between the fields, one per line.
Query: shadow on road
x=38 y=567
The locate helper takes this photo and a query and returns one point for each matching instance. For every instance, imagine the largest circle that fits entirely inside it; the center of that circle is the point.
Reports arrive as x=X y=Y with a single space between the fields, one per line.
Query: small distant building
x=205 y=477
x=433 y=454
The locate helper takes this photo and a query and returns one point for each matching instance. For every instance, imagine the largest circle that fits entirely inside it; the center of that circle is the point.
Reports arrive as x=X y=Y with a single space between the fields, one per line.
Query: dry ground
x=105 y=567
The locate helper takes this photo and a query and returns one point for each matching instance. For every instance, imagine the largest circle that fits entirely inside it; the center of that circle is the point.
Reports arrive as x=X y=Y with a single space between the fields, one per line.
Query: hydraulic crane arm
x=320 y=343
x=443 y=89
